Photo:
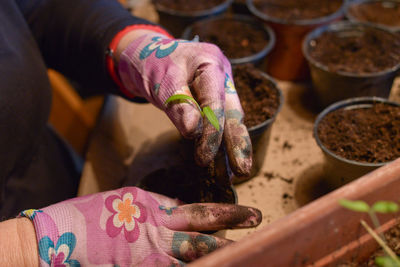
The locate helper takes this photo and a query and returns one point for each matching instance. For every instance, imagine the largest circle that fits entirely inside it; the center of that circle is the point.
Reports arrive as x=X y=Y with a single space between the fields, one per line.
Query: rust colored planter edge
x=318 y=234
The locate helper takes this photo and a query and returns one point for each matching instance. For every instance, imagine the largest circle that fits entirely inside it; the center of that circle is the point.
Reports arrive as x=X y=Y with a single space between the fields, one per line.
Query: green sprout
x=391 y=260
x=206 y=111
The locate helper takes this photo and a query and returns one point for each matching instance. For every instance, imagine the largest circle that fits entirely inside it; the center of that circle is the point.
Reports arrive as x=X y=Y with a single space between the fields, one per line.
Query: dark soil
x=190 y=183
x=370 y=52
x=236 y=38
x=258 y=95
x=380 y=12
x=363 y=134
x=392 y=237
x=184 y=5
x=292 y=10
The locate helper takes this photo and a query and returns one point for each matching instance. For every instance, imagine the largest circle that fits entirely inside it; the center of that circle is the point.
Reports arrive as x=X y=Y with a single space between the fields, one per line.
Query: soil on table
x=237 y=39
x=292 y=10
x=184 y=5
x=380 y=12
x=258 y=95
x=369 y=52
x=392 y=237
x=363 y=134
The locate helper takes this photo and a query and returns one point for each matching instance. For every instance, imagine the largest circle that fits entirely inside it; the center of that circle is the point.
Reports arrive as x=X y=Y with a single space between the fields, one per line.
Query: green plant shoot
x=205 y=112
x=391 y=260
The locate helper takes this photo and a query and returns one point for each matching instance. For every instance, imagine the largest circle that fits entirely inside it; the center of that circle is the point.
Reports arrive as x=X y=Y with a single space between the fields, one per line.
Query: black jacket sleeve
x=73 y=36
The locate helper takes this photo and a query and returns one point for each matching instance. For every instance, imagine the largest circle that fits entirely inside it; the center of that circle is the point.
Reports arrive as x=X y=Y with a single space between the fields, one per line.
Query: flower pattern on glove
x=126 y=213
x=31 y=213
x=229 y=86
x=58 y=256
x=162 y=46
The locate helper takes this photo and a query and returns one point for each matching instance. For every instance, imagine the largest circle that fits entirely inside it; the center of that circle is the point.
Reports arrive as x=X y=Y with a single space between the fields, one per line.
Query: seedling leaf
x=209 y=113
x=385 y=207
x=385 y=262
x=356 y=205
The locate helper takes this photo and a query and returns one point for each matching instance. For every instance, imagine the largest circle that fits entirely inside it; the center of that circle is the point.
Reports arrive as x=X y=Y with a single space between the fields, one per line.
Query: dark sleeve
x=73 y=36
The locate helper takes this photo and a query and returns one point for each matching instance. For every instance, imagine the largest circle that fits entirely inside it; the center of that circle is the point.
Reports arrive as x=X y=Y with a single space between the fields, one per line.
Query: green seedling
x=391 y=259
x=205 y=112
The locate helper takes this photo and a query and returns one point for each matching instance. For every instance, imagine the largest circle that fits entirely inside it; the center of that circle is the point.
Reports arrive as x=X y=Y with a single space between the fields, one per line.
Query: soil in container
x=236 y=38
x=369 y=52
x=363 y=134
x=379 y=12
x=392 y=237
x=184 y=5
x=292 y=10
x=261 y=101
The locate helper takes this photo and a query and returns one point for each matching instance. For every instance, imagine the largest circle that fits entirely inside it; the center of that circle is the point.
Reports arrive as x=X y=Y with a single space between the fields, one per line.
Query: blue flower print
x=167 y=210
x=30 y=213
x=163 y=47
x=229 y=86
x=58 y=256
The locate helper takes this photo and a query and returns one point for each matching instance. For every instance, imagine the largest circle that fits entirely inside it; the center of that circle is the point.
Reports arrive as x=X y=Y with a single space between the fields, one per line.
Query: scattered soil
x=356 y=51
x=379 y=12
x=292 y=10
x=363 y=134
x=190 y=183
x=236 y=38
x=184 y=5
x=392 y=237
x=258 y=95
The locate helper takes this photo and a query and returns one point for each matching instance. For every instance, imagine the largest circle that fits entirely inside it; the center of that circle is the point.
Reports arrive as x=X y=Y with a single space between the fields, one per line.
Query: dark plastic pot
x=340 y=170
x=240 y=7
x=256 y=58
x=260 y=137
x=355 y=6
x=176 y=21
x=332 y=86
x=286 y=60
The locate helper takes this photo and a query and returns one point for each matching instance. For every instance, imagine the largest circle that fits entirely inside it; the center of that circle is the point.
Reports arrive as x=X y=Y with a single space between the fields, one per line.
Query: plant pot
x=384 y=13
x=176 y=15
x=286 y=61
x=240 y=7
x=357 y=136
x=240 y=37
x=350 y=60
x=261 y=100
x=322 y=233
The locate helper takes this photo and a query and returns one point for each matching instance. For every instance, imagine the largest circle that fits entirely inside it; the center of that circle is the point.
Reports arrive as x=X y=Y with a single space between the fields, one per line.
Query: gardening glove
x=132 y=227
x=156 y=67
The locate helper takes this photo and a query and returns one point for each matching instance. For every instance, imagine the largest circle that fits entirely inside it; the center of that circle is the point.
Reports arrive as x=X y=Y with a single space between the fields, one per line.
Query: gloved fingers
x=211 y=216
x=236 y=137
x=184 y=114
x=208 y=89
x=188 y=246
x=162 y=260
x=166 y=201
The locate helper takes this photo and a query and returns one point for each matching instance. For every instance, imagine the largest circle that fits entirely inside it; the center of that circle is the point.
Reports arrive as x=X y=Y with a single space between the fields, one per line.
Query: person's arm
x=74 y=35
x=18 y=245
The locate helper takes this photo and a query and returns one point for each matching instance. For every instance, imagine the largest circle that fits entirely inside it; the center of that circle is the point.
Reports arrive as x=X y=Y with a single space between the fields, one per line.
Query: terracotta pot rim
x=338 y=26
x=200 y=13
x=361 y=2
x=269 y=33
x=355 y=101
x=259 y=128
x=303 y=22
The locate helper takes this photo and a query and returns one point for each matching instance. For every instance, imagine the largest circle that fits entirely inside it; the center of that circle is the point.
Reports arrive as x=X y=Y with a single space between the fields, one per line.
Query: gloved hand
x=156 y=67
x=132 y=227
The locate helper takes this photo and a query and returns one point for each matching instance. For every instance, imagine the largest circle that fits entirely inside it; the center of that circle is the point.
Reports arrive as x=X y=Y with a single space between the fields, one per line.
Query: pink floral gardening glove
x=132 y=227
x=156 y=67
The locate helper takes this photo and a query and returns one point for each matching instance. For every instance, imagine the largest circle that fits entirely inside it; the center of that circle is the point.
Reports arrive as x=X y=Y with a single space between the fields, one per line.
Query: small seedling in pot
x=391 y=259
x=205 y=112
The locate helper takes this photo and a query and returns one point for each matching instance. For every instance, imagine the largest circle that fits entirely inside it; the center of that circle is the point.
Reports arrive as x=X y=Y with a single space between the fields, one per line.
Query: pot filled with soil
x=261 y=100
x=291 y=20
x=241 y=38
x=350 y=60
x=358 y=135
x=384 y=13
x=175 y=15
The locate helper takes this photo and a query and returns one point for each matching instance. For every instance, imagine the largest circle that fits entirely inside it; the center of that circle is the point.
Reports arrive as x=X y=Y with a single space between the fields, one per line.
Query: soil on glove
x=292 y=10
x=363 y=134
x=370 y=52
